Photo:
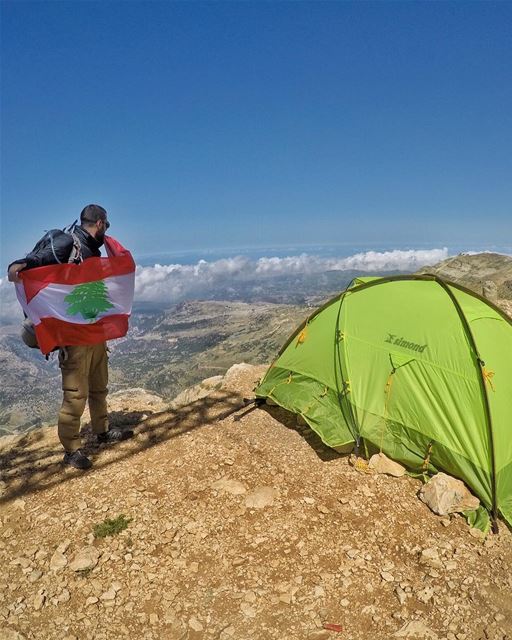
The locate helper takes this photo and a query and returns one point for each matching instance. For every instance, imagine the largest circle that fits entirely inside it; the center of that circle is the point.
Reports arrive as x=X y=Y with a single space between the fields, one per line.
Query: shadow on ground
x=35 y=462
x=289 y=420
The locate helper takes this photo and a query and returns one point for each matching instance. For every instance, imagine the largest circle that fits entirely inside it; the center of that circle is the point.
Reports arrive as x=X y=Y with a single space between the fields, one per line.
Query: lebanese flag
x=80 y=304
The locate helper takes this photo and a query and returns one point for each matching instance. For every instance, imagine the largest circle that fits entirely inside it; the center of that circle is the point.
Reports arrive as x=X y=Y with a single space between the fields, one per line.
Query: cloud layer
x=175 y=282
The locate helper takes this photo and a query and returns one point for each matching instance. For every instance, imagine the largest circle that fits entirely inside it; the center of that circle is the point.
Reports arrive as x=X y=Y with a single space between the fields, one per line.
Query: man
x=84 y=368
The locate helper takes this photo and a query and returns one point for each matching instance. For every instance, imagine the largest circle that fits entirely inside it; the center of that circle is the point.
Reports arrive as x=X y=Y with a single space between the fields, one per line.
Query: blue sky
x=204 y=125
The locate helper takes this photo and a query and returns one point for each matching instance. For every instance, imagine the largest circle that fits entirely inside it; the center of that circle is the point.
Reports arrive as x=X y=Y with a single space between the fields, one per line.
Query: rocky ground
x=242 y=526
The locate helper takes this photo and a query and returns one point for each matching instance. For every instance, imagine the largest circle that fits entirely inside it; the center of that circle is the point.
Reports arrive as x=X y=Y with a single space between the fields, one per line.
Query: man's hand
x=12 y=274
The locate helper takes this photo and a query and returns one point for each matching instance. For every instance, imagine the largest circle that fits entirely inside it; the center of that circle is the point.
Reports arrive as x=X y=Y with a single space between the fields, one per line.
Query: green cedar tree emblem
x=88 y=299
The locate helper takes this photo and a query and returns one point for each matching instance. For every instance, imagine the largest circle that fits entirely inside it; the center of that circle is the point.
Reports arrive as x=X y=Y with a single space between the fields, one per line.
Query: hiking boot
x=78 y=460
x=114 y=435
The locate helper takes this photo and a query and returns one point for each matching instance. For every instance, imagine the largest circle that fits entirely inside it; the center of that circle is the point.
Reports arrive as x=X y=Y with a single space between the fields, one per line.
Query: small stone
x=308 y=500
x=344 y=602
x=19 y=504
x=41 y=554
x=247 y=610
x=319 y=591
x=64 y=596
x=35 y=575
x=58 y=561
x=85 y=559
x=153 y=619
x=108 y=595
x=234 y=487
x=425 y=594
x=20 y=562
x=430 y=557
x=38 y=601
x=320 y=635
x=195 y=625
x=63 y=546
x=91 y=600
x=401 y=595
x=382 y=464
x=386 y=576
x=260 y=498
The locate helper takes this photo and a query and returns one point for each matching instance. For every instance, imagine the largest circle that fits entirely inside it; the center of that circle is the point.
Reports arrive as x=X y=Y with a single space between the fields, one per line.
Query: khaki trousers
x=84 y=377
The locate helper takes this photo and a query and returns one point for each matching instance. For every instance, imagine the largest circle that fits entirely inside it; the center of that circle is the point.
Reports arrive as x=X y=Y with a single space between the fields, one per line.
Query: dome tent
x=418 y=367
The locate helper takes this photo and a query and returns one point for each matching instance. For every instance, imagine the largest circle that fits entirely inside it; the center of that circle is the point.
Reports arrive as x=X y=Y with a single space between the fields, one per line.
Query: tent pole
x=483 y=389
x=337 y=361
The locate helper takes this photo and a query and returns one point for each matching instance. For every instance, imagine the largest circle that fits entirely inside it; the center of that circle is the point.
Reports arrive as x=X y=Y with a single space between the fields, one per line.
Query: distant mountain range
x=171 y=347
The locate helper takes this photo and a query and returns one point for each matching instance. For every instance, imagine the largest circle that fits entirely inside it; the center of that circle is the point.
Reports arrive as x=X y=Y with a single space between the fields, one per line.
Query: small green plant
x=111 y=526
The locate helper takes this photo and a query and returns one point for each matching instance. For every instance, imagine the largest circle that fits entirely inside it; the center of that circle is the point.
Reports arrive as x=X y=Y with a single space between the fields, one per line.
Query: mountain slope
x=240 y=529
x=488 y=274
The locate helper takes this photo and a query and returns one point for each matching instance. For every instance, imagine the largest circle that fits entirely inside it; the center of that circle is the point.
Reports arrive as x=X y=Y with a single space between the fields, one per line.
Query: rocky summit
x=221 y=521
x=488 y=274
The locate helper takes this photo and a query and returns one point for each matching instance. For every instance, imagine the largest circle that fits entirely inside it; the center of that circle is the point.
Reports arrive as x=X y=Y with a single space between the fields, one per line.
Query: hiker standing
x=84 y=368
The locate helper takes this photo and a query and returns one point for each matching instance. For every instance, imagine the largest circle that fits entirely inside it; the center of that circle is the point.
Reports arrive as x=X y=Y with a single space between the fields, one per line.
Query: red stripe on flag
x=114 y=248
x=88 y=271
x=52 y=332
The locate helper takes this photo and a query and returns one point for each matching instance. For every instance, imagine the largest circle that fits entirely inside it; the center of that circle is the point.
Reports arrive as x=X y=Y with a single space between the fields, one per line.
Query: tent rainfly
x=417 y=367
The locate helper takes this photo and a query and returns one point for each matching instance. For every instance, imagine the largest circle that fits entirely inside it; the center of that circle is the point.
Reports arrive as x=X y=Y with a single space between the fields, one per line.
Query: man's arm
x=14 y=269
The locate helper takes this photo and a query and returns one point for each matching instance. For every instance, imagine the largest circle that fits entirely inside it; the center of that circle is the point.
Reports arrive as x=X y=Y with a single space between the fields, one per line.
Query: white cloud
x=9 y=306
x=172 y=282
x=373 y=261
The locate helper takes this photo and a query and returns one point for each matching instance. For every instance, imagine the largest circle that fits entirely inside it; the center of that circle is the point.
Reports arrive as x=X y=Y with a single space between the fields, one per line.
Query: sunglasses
x=105 y=222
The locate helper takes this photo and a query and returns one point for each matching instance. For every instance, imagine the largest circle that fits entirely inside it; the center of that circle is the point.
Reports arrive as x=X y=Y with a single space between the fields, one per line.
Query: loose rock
x=86 y=559
x=58 y=561
x=260 y=498
x=444 y=494
x=234 y=487
x=382 y=464
x=416 y=629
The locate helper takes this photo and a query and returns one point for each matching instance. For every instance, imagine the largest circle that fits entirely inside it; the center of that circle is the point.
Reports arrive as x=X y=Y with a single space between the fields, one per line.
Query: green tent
x=414 y=366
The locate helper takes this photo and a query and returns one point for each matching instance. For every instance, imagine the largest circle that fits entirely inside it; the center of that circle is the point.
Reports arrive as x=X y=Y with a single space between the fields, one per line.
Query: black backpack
x=28 y=334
